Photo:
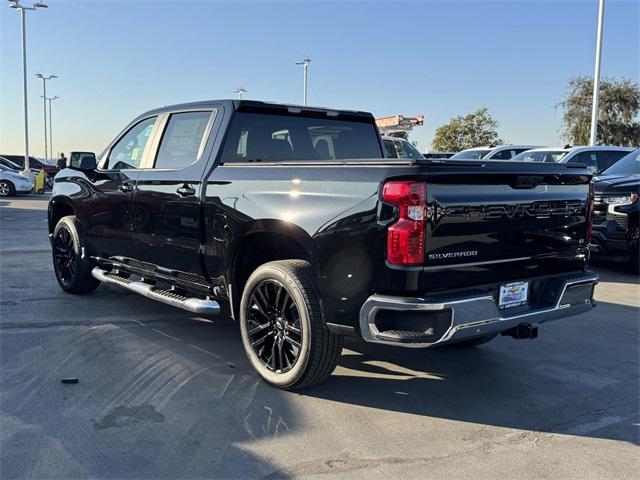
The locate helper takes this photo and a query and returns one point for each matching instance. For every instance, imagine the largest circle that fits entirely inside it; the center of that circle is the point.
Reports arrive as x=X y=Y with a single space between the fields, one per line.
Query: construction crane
x=396 y=123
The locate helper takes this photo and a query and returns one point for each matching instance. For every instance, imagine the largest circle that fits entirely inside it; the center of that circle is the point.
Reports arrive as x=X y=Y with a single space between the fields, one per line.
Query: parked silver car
x=12 y=182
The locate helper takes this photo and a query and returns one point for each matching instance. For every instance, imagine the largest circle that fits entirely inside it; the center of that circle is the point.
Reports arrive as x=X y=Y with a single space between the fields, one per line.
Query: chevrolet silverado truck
x=616 y=212
x=291 y=219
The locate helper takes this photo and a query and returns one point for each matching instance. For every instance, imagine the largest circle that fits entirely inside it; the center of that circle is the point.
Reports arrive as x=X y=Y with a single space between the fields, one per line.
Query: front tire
x=71 y=266
x=283 y=330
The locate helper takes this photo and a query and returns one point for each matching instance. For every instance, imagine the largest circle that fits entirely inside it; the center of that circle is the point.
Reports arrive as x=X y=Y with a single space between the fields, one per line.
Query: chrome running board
x=195 y=305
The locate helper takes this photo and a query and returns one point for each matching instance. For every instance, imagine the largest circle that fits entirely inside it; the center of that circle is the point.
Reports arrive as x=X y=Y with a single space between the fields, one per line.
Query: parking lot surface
x=164 y=394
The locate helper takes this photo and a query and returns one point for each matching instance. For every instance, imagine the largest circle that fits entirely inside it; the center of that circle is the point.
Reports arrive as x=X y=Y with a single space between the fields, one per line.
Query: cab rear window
x=258 y=137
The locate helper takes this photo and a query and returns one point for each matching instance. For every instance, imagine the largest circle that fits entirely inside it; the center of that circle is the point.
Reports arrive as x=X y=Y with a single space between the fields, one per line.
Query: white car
x=546 y=155
x=12 y=182
x=501 y=152
x=596 y=159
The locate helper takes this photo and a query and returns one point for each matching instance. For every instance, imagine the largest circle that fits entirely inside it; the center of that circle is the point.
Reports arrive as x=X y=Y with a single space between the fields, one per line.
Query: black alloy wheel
x=64 y=256
x=71 y=264
x=282 y=326
x=274 y=327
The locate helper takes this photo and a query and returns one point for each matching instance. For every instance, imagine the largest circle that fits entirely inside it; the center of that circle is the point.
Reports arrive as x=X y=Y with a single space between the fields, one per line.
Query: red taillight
x=406 y=237
x=589 y=218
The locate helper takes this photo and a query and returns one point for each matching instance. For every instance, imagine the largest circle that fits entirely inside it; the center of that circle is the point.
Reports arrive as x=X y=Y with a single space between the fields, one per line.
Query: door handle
x=186 y=190
x=126 y=188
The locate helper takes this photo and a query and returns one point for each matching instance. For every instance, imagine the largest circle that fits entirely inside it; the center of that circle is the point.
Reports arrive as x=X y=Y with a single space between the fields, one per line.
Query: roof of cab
x=254 y=105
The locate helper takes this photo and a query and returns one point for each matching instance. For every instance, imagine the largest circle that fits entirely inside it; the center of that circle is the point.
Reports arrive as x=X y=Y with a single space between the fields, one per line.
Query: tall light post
x=23 y=10
x=51 y=99
x=240 y=91
x=596 y=77
x=44 y=103
x=305 y=66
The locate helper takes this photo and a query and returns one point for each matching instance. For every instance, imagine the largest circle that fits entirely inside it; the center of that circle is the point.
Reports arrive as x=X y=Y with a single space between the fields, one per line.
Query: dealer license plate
x=513 y=294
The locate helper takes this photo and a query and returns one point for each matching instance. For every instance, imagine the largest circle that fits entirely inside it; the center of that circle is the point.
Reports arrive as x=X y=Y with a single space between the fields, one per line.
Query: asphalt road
x=163 y=394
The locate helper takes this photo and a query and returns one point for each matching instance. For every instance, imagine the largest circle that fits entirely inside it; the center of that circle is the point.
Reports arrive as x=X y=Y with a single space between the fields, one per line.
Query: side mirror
x=83 y=161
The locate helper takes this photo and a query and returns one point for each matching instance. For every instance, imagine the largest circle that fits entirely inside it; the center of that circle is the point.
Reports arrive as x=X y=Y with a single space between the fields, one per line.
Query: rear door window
x=503 y=155
x=183 y=140
x=608 y=158
x=390 y=149
x=587 y=158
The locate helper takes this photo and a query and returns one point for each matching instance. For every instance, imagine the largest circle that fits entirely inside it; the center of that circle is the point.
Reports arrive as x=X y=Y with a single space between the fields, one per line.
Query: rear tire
x=474 y=342
x=7 y=189
x=71 y=266
x=283 y=330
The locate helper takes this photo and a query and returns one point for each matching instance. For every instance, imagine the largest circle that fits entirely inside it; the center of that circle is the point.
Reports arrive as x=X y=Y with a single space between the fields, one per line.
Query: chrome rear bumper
x=462 y=317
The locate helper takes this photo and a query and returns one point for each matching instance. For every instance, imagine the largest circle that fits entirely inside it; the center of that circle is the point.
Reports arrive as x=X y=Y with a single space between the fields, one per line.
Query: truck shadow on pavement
x=579 y=378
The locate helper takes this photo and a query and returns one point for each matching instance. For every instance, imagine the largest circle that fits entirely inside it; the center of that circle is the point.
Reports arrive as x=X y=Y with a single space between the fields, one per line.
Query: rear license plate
x=514 y=294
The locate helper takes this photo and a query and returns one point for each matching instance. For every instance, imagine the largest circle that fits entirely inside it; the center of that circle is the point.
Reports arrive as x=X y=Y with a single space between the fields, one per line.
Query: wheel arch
x=59 y=207
x=266 y=241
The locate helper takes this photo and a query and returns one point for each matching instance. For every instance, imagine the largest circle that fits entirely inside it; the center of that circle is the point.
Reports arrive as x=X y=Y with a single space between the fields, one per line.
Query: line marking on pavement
x=204 y=351
x=166 y=334
x=224 y=390
x=4 y=252
x=86 y=323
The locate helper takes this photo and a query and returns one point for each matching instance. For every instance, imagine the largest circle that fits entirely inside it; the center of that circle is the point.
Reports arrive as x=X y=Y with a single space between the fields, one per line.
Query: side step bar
x=195 y=305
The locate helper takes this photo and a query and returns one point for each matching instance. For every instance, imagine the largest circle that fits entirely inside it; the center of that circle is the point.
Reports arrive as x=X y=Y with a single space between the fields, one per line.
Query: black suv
x=616 y=211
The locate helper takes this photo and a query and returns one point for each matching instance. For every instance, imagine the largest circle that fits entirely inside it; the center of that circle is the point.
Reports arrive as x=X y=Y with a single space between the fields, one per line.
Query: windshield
x=263 y=137
x=470 y=154
x=9 y=164
x=627 y=165
x=549 y=156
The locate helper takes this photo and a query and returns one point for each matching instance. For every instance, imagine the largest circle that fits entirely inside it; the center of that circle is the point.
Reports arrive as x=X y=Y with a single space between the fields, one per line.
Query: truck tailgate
x=504 y=213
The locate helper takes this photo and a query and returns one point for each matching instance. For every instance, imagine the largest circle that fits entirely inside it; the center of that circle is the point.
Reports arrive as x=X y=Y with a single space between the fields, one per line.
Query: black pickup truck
x=293 y=219
x=616 y=212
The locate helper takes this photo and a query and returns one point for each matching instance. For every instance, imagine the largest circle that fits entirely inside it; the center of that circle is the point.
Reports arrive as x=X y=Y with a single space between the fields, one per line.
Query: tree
x=618 y=112
x=475 y=129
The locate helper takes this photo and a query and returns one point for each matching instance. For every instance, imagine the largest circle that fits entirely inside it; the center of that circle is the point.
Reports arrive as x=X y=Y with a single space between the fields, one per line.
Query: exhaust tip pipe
x=524 y=331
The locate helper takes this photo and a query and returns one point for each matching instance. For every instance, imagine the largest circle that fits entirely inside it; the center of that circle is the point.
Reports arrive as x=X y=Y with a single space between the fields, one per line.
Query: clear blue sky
x=439 y=58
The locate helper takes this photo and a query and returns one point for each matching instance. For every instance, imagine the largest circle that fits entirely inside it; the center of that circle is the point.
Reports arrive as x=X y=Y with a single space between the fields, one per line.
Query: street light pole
x=16 y=5
x=51 y=125
x=44 y=104
x=240 y=91
x=305 y=66
x=596 y=77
